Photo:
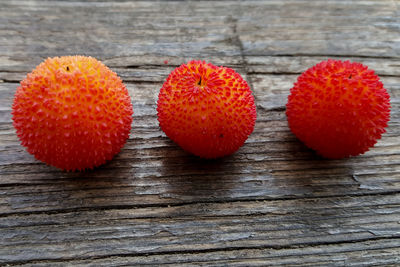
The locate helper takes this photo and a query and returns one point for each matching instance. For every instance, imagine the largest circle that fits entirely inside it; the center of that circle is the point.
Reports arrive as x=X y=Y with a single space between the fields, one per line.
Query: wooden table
x=274 y=202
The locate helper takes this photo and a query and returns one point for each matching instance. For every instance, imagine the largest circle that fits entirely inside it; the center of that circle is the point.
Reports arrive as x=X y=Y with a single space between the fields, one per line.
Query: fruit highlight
x=208 y=110
x=339 y=109
x=72 y=112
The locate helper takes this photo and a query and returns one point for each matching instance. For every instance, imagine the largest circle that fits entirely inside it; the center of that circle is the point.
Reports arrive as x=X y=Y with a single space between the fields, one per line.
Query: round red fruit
x=208 y=110
x=72 y=112
x=339 y=109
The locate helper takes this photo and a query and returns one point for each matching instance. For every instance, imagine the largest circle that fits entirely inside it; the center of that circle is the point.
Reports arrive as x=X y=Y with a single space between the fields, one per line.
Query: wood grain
x=274 y=202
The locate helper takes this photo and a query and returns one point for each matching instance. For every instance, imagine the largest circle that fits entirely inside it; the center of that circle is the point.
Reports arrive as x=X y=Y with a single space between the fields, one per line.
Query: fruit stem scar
x=350 y=76
x=67 y=68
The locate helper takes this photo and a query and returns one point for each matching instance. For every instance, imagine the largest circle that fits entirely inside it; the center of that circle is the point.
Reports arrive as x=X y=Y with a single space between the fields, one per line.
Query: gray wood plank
x=196 y=227
x=366 y=253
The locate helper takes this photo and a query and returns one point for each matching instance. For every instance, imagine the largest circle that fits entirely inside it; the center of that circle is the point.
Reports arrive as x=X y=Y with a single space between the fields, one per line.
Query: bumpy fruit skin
x=72 y=112
x=208 y=110
x=339 y=109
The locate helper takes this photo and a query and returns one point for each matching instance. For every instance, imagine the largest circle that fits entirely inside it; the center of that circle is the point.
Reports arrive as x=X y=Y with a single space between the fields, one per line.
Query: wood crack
x=201 y=251
x=188 y=203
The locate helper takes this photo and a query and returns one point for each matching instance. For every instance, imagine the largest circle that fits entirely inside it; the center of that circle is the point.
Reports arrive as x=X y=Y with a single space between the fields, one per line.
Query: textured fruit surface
x=208 y=110
x=72 y=112
x=339 y=109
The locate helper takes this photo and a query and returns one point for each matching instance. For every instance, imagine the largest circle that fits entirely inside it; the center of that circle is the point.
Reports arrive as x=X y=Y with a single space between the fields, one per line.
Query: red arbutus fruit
x=72 y=112
x=339 y=109
x=207 y=110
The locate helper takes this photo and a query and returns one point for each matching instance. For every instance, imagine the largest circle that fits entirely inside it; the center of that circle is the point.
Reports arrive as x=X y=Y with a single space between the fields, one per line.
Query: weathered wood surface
x=274 y=202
